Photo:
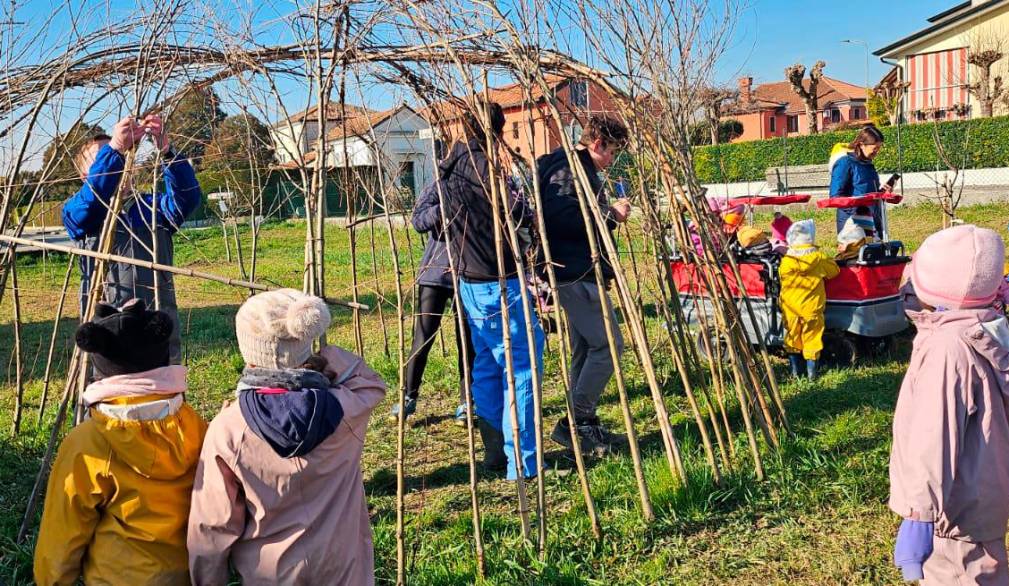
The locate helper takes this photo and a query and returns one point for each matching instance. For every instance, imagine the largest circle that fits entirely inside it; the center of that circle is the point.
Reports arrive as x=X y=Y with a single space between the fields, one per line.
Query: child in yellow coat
x=803 y=297
x=117 y=504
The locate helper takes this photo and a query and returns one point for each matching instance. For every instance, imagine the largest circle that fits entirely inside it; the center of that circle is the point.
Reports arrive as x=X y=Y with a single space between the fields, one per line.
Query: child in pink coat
x=279 y=493
x=949 y=465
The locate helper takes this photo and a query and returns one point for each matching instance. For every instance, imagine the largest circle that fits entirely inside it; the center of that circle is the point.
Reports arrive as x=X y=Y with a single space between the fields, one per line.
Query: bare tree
x=986 y=47
x=715 y=99
x=809 y=93
x=948 y=180
x=890 y=93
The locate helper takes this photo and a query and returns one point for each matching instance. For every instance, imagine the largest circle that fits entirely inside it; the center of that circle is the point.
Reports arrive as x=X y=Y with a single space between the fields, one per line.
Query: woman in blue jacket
x=852 y=173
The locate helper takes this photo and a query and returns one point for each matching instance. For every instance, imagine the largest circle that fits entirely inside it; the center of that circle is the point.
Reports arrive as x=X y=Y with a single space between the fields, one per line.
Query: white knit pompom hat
x=276 y=329
x=801 y=233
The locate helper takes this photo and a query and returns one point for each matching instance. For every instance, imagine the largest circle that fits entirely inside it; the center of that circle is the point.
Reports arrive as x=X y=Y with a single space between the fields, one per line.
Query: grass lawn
x=819 y=518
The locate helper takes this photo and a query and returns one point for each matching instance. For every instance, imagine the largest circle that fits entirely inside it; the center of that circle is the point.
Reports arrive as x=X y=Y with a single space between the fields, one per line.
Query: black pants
x=431 y=303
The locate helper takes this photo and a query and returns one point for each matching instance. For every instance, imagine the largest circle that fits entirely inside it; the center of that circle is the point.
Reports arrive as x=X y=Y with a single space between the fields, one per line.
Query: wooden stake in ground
x=19 y=381
x=52 y=340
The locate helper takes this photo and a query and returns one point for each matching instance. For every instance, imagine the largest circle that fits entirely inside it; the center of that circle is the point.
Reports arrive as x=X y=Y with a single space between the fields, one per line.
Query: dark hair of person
x=868 y=135
x=473 y=122
x=610 y=130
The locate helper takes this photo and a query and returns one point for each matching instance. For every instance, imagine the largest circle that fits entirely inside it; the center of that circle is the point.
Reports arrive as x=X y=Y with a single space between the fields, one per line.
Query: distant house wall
x=937 y=69
x=542 y=136
x=759 y=125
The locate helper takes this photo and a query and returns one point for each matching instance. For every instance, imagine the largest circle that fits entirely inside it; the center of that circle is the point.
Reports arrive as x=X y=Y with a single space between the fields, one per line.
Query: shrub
x=974 y=144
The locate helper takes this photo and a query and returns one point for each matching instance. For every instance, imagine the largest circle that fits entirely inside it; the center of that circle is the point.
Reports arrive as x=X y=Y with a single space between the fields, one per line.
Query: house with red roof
x=577 y=100
x=774 y=109
x=371 y=150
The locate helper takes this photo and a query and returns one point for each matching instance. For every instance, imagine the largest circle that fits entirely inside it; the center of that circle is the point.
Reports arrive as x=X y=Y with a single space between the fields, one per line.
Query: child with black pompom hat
x=118 y=498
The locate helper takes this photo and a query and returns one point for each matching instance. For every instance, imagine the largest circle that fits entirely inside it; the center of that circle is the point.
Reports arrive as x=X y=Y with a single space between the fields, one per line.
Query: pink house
x=774 y=109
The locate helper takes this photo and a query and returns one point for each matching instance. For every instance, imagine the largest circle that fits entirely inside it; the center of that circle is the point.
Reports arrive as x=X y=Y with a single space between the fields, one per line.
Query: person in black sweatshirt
x=578 y=291
x=470 y=234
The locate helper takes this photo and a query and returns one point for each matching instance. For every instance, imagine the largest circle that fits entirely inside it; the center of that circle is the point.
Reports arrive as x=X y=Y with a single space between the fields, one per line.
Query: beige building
x=935 y=60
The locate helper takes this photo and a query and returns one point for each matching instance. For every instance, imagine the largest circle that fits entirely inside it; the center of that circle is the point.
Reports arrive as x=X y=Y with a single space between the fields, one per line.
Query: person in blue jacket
x=145 y=219
x=853 y=173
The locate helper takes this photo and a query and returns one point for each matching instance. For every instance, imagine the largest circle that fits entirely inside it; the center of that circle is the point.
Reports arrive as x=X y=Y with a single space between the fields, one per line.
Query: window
x=835 y=115
x=793 y=124
x=574 y=131
x=407 y=180
x=774 y=124
x=579 y=93
x=515 y=130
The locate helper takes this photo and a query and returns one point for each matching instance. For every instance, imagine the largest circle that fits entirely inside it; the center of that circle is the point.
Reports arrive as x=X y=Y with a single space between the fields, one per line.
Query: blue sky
x=771 y=35
x=774 y=34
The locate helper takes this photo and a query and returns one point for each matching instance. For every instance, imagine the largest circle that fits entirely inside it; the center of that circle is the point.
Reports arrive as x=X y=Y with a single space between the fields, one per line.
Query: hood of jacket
x=158 y=448
x=804 y=257
x=292 y=410
x=985 y=330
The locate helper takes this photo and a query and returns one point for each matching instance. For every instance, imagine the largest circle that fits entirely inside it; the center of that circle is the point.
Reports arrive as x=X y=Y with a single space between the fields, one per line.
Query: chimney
x=745 y=85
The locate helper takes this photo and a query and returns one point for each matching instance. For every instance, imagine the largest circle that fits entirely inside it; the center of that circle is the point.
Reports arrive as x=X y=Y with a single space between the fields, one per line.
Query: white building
x=393 y=146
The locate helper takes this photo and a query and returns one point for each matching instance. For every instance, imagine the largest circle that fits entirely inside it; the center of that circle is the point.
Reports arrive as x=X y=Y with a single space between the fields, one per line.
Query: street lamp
x=866 y=45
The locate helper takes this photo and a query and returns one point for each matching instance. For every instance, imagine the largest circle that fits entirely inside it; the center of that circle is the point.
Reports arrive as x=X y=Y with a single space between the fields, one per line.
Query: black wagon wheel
x=875 y=348
x=839 y=350
x=711 y=345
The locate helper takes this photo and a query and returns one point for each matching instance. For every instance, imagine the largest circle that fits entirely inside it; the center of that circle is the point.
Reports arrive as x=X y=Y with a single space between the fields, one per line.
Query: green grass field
x=819 y=518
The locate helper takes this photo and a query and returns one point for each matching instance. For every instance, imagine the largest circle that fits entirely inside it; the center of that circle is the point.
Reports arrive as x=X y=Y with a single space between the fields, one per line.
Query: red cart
x=864 y=309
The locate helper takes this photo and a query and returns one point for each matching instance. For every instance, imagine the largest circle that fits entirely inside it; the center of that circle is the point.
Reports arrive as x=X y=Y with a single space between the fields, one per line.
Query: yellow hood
x=839 y=151
x=162 y=449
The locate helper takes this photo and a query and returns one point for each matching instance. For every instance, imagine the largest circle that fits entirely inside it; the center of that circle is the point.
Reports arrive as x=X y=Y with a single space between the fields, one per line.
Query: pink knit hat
x=959 y=268
x=780 y=226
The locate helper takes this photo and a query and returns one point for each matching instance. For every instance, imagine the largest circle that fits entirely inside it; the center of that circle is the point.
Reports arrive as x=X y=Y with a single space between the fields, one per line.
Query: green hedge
x=984 y=142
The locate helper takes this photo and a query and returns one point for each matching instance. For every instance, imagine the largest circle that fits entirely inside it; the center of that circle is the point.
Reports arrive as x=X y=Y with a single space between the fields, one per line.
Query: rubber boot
x=795 y=361
x=811 y=369
x=493 y=447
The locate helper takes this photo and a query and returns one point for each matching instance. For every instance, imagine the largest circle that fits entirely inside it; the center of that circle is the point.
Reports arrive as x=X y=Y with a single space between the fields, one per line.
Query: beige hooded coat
x=300 y=520
x=950 y=458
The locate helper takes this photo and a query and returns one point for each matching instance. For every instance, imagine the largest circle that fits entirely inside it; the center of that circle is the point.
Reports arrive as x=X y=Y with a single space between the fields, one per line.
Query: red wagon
x=864 y=308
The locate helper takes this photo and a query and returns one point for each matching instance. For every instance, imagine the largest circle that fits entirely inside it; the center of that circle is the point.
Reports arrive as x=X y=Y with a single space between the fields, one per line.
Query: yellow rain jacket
x=803 y=298
x=117 y=503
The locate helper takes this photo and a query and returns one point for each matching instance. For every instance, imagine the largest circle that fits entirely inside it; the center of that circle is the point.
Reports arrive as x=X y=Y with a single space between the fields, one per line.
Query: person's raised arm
x=182 y=191
x=359 y=388
x=85 y=211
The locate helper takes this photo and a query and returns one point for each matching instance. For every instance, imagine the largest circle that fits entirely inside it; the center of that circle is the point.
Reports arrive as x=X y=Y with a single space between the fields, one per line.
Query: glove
x=914 y=545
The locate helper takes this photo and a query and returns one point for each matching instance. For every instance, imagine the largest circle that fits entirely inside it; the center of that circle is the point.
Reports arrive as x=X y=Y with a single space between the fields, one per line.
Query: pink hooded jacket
x=950 y=458
x=300 y=520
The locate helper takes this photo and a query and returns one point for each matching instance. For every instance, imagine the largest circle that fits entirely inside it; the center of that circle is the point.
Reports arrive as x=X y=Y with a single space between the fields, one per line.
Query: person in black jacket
x=471 y=236
x=578 y=290
x=435 y=287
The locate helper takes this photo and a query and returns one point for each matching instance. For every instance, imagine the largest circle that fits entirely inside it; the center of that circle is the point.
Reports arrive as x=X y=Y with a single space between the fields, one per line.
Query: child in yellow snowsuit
x=117 y=504
x=803 y=297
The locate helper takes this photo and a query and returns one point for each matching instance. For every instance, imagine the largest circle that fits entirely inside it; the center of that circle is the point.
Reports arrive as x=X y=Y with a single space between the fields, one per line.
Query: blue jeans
x=490 y=376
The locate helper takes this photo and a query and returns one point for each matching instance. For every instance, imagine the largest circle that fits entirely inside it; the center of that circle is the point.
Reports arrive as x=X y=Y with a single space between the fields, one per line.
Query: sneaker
x=460 y=416
x=594 y=439
x=409 y=408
